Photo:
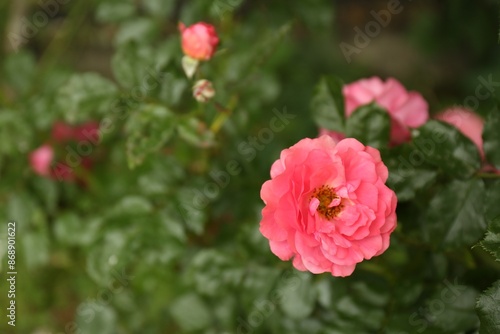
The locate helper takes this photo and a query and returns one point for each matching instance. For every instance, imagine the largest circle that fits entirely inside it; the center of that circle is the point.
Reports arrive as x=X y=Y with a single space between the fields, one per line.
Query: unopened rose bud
x=203 y=90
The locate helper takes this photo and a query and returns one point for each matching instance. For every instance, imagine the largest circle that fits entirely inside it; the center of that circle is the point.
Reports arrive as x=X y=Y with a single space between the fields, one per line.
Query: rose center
x=330 y=204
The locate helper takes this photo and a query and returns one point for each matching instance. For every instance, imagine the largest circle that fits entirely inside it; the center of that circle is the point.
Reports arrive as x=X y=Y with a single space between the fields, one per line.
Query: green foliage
x=85 y=96
x=491 y=137
x=328 y=104
x=370 y=124
x=158 y=230
x=149 y=130
x=489 y=310
x=491 y=242
x=445 y=147
x=455 y=214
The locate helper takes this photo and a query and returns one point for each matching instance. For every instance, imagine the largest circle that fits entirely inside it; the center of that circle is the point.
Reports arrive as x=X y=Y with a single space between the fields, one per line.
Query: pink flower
x=467 y=122
x=62 y=131
x=407 y=109
x=327 y=205
x=199 y=40
x=88 y=131
x=41 y=160
x=44 y=162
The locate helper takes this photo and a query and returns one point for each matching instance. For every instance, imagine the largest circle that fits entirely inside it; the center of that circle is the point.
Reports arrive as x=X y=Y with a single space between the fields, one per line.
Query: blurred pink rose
x=407 y=109
x=62 y=131
x=199 y=40
x=467 y=122
x=327 y=205
x=41 y=160
x=44 y=161
x=88 y=131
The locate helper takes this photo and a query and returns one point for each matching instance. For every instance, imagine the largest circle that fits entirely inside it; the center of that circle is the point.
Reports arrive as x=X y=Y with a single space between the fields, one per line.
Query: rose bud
x=199 y=40
x=203 y=90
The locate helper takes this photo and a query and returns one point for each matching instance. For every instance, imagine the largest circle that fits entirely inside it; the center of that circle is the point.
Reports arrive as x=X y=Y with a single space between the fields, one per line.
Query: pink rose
x=467 y=122
x=88 y=131
x=199 y=40
x=62 y=131
x=327 y=205
x=406 y=109
x=41 y=160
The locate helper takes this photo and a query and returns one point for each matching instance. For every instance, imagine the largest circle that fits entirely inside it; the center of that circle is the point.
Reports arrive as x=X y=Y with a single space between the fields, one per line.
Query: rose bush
x=155 y=228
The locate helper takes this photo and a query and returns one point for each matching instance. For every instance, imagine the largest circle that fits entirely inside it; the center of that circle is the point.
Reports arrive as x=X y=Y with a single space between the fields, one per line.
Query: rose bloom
x=467 y=122
x=327 y=205
x=63 y=132
x=406 y=109
x=41 y=160
x=199 y=40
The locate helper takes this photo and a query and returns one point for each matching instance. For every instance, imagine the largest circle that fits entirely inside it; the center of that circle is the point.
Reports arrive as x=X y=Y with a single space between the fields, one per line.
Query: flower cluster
x=327 y=206
x=199 y=43
x=43 y=159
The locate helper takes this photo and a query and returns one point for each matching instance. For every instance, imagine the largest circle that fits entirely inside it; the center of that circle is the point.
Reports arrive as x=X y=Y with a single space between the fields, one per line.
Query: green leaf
x=141 y=29
x=211 y=272
x=370 y=124
x=190 y=312
x=19 y=71
x=114 y=11
x=442 y=145
x=70 y=229
x=298 y=299
x=491 y=242
x=85 y=96
x=48 y=191
x=406 y=177
x=16 y=133
x=457 y=314
x=92 y=319
x=191 y=204
x=36 y=248
x=492 y=209
x=488 y=309
x=158 y=8
x=150 y=128
x=108 y=256
x=406 y=187
x=328 y=104
x=131 y=206
x=491 y=138
x=455 y=215
x=137 y=67
x=196 y=133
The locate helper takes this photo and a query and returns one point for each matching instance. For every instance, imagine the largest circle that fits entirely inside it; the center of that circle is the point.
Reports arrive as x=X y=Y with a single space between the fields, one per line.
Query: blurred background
x=158 y=236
